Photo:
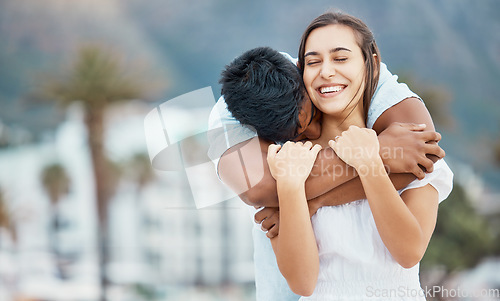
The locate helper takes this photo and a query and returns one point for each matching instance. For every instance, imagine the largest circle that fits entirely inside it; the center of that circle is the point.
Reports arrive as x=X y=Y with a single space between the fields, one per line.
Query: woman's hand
x=357 y=147
x=292 y=162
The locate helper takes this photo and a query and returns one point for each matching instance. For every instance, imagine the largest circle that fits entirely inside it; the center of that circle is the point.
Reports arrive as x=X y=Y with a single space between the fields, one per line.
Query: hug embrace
x=340 y=161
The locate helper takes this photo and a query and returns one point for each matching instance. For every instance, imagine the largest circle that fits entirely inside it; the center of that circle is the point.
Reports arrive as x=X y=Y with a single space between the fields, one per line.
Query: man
x=264 y=101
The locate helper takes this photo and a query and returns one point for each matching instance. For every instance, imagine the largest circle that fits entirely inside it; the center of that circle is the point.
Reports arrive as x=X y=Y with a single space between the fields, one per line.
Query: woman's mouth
x=329 y=90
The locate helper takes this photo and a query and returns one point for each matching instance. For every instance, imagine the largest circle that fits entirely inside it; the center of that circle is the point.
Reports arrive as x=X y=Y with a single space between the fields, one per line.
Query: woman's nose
x=327 y=70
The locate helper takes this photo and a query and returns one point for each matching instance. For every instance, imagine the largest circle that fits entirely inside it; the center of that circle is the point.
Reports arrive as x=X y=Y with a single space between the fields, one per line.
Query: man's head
x=263 y=89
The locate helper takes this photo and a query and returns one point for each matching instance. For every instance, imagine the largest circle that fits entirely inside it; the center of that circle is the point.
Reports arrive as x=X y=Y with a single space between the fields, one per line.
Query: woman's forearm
x=295 y=246
x=398 y=227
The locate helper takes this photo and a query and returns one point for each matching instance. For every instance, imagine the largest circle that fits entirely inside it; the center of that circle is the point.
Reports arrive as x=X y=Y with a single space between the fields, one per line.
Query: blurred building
x=158 y=237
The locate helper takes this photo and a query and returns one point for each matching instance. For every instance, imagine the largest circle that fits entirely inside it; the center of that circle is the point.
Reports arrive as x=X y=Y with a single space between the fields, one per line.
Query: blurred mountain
x=453 y=45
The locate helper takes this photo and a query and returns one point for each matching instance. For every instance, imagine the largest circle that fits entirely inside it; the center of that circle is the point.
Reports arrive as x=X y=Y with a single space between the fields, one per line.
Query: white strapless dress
x=354 y=262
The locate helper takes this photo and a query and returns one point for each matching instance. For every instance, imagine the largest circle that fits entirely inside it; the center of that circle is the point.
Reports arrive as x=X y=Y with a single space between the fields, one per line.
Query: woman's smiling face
x=334 y=70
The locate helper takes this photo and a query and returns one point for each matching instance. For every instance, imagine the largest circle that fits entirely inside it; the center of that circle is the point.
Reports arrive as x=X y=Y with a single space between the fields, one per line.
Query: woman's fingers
x=272 y=150
x=315 y=149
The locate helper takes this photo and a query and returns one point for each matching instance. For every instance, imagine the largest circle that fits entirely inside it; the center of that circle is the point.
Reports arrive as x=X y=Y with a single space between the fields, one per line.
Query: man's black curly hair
x=264 y=89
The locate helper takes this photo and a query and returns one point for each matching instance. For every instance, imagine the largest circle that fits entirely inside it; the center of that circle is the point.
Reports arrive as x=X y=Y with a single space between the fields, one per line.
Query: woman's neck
x=333 y=126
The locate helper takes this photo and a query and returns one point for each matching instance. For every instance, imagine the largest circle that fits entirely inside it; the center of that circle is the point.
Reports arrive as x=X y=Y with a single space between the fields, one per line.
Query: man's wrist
x=386 y=152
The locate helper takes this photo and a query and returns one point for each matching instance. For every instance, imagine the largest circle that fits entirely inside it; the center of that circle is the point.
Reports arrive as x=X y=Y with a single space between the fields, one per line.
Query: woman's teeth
x=331 y=89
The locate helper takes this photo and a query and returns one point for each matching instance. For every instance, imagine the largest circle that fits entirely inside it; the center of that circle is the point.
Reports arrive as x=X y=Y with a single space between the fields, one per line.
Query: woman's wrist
x=371 y=167
x=290 y=183
x=292 y=178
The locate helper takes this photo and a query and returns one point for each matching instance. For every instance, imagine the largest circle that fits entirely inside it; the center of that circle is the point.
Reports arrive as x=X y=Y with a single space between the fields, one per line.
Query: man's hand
x=407 y=148
x=268 y=218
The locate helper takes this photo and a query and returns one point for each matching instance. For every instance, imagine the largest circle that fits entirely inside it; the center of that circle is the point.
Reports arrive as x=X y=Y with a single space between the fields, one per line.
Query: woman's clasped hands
x=358 y=147
x=292 y=163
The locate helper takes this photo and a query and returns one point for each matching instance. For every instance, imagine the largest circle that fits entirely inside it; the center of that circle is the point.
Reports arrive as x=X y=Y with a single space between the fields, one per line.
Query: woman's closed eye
x=340 y=59
x=312 y=62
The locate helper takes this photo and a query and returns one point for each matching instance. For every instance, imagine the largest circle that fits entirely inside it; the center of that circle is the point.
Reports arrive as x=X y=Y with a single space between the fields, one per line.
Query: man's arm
x=348 y=192
x=410 y=110
x=413 y=110
x=243 y=166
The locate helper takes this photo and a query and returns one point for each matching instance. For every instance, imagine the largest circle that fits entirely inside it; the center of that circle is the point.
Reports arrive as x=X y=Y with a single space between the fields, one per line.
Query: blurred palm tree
x=141 y=170
x=56 y=183
x=496 y=151
x=97 y=80
x=4 y=213
x=6 y=220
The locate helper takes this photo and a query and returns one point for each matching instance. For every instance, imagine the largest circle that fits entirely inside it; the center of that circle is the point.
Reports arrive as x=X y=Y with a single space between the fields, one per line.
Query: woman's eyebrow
x=339 y=49
x=311 y=53
x=331 y=51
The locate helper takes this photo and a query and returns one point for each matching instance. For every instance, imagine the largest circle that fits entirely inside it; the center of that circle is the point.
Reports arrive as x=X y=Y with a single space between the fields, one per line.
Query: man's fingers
x=259 y=217
x=267 y=224
x=262 y=214
x=431 y=136
x=308 y=144
x=434 y=149
x=428 y=164
x=418 y=172
x=273 y=232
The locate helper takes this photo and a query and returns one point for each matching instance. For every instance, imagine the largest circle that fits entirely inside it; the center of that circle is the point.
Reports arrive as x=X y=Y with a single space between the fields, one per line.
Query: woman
x=367 y=249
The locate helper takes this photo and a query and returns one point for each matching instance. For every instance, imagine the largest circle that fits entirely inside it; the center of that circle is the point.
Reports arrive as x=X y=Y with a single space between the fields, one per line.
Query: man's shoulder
x=389 y=92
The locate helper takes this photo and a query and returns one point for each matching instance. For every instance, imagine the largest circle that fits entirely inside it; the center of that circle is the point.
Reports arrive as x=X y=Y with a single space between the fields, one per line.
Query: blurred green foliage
x=462 y=237
x=437 y=98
